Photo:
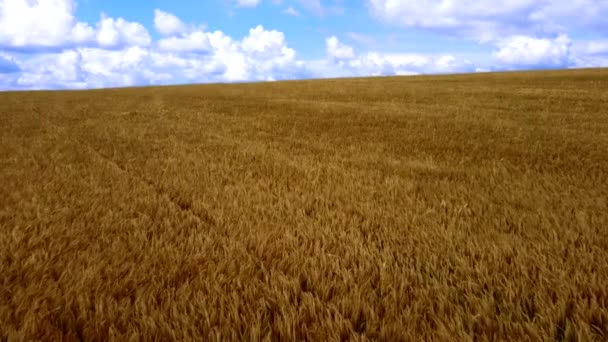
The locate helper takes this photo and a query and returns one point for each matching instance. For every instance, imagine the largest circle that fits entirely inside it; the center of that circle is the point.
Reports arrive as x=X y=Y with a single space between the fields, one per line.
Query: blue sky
x=74 y=44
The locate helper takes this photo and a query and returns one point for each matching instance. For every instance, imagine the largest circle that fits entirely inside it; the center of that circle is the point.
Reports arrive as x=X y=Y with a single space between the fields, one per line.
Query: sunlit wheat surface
x=444 y=208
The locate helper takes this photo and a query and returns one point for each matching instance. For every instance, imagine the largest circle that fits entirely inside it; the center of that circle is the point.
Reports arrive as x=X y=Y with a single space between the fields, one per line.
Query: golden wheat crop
x=456 y=208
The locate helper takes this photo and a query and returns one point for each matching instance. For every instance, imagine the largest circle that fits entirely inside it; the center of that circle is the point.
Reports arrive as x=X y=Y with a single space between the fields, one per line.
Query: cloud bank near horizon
x=43 y=45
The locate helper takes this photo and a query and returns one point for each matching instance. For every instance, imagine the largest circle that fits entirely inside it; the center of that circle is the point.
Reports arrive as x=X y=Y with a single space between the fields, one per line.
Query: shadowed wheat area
x=456 y=208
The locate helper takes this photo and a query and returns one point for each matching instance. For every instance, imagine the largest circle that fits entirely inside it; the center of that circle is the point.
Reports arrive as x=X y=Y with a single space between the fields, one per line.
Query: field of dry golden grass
x=444 y=208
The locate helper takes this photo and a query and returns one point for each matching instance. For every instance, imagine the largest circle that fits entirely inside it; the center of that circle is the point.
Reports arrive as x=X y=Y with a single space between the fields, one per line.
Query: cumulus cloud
x=26 y=24
x=488 y=20
x=51 y=25
x=123 y=56
x=197 y=41
x=337 y=50
x=271 y=58
x=42 y=45
x=179 y=37
x=112 y=33
x=168 y=24
x=92 y=68
x=261 y=55
x=408 y=64
x=62 y=70
x=261 y=43
x=530 y=51
x=343 y=60
x=347 y=62
x=525 y=33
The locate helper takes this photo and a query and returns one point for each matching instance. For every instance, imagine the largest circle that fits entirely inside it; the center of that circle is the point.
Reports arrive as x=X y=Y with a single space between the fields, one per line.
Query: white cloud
x=530 y=51
x=337 y=50
x=409 y=64
x=60 y=52
x=269 y=56
x=263 y=44
x=197 y=41
x=112 y=33
x=105 y=62
x=488 y=20
x=343 y=60
x=260 y=55
x=62 y=70
x=167 y=23
x=92 y=68
x=40 y=24
x=82 y=33
x=50 y=24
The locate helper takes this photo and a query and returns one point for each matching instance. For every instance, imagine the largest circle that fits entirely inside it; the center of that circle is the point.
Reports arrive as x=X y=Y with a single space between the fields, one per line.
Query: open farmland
x=466 y=207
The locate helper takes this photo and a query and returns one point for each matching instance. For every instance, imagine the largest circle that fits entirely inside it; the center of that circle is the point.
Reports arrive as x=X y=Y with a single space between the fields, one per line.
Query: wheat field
x=428 y=208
